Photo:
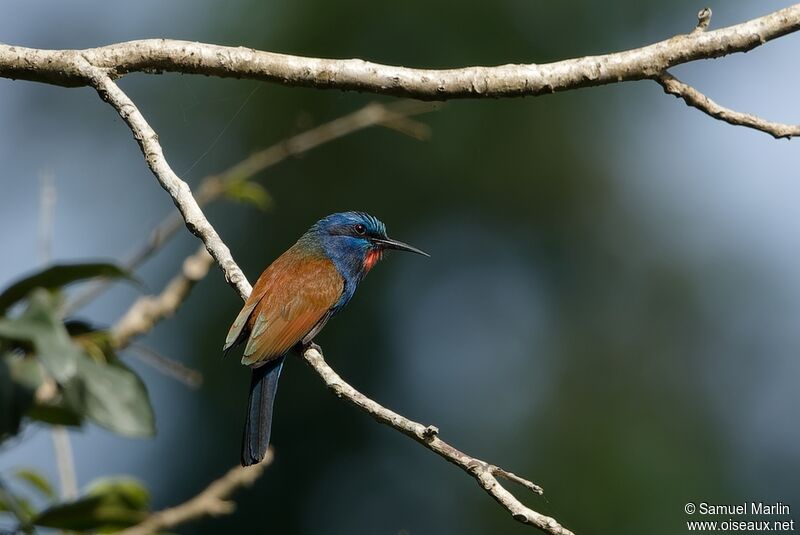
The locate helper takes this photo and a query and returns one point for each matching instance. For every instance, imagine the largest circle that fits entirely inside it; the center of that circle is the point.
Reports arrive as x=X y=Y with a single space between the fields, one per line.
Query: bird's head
x=355 y=241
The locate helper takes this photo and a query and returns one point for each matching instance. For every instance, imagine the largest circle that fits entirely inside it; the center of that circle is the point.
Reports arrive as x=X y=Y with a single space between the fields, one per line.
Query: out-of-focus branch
x=486 y=474
x=165 y=365
x=396 y=116
x=146 y=311
x=62 y=445
x=213 y=501
x=696 y=99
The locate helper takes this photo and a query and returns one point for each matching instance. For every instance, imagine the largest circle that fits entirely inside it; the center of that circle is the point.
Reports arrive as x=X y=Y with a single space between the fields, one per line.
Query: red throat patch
x=372 y=258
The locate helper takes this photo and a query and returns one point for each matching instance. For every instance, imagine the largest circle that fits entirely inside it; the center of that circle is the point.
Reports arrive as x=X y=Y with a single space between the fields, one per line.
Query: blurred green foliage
x=65 y=373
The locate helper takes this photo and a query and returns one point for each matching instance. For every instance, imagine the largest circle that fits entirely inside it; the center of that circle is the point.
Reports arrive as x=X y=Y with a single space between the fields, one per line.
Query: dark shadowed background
x=610 y=309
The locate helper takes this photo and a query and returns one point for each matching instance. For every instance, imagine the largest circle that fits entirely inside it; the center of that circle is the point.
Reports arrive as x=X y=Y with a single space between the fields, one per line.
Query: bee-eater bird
x=292 y=301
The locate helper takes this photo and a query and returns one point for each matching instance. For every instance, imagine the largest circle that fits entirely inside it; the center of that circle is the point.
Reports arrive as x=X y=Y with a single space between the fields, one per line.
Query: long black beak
x=389 y=243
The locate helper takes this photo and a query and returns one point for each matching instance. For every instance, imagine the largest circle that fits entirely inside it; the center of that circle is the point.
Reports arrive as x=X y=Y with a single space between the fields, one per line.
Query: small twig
x=213 y=501
x=510 y=476
x=698 y=100
x=703 y=20
x=167 y=366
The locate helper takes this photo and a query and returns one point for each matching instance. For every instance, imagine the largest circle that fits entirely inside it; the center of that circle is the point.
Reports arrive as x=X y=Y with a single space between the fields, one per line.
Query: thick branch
x=65 y=67
x=213 y=501
x=696 y=99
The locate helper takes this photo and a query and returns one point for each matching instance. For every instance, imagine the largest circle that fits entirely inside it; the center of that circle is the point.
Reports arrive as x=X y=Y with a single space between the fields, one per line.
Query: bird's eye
x=360 y=229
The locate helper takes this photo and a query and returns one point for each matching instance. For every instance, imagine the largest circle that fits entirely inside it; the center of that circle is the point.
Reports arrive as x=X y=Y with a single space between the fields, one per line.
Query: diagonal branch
x=486 y=474
x=696 y=99
x=178 y=190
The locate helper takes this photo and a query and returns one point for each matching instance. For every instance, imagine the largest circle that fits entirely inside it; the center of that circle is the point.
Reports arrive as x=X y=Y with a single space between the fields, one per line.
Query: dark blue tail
x=263 y=385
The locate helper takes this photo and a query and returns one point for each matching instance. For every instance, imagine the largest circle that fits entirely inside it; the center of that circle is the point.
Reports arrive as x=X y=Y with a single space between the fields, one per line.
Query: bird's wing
x=238 y=331
x=235 y=332
x=297 y=295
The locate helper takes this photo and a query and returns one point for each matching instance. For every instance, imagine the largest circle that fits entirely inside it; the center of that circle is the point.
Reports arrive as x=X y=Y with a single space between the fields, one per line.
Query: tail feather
x=263 y=386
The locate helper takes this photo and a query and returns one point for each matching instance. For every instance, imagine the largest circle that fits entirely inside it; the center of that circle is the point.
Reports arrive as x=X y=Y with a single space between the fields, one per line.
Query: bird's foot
x=312 y=345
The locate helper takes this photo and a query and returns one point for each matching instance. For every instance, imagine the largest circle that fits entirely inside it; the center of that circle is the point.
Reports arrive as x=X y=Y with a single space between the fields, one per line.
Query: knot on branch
x=430 y=432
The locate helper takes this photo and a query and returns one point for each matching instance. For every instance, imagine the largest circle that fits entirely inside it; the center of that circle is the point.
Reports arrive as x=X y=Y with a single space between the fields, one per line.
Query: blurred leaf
x=41 y=327
x=36 y=481
x=93 y=382
x=23 y=508
x=112 y=396
x=14 y=400
x=249 y=192
x=126 y=490
x=109 y=504
x=56 y=277
x=27 y=374
x=54 y=414
x=97 y=345
x=78 y=327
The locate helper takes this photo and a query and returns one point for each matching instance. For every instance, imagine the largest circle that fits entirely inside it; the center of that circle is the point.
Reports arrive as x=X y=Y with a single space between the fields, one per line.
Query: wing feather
x=295 y=294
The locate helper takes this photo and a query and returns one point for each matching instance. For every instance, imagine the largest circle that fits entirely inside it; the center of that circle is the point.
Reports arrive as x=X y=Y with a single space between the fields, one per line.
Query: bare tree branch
x=59 y=67
x=213 y=501
x=485 y=473
x=66 y=67
x=696 y=99
x=178 y=190
x=69 y=67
